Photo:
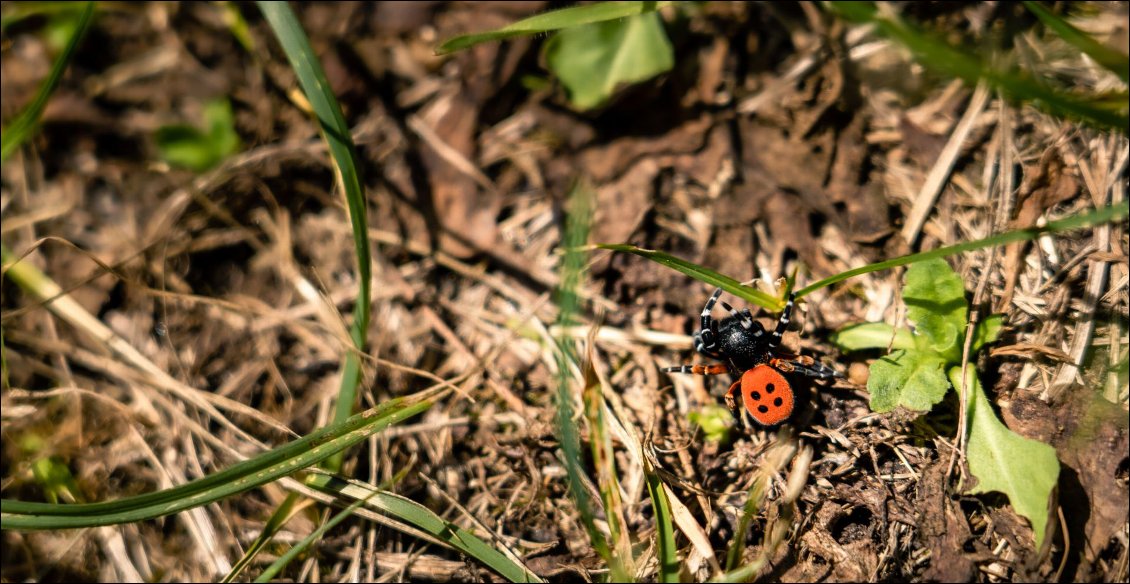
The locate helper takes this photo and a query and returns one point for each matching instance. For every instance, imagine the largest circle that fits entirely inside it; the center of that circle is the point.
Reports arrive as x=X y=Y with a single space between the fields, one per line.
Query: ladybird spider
x=742 y=345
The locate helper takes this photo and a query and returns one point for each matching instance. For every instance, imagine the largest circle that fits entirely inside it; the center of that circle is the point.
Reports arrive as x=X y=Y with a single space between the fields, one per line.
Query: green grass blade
x=278 y=519
x=1099 y=216
x=568 y=304
x=942 y=57
x=752 y=503
x=556 y=20
x=267 y=467
x=282 y=561
x=17 y=12
x=337 y=134
x=421 y=517
x=1111 y=59
x=25 y=125
x=668 y=554
x=282 y=514
x=1096 y=217
x=701 y=274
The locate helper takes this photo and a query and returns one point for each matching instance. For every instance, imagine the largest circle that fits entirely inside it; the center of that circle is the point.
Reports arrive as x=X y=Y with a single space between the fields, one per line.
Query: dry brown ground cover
x=781 y=137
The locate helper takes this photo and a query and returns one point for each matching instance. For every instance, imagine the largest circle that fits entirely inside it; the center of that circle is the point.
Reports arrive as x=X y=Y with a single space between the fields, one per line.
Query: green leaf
x=907 y=378
x=592 y=61
x=872 y=335
x=189 y=147
x=935 y=305
x=987 y=331
x=556 y=20
x=1023 y=469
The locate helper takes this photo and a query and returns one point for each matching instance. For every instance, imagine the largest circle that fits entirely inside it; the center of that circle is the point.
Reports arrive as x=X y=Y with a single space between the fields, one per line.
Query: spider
x=743 y=347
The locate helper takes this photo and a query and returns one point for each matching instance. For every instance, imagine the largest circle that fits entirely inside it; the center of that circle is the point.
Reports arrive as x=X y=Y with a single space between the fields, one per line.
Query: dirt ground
x=782 y=137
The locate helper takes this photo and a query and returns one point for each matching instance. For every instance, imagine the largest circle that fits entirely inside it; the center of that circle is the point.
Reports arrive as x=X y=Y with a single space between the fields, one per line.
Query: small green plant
x=715 y=421
x=599 y=47
x=187 y=146
x=926 y=363
x=592 y=61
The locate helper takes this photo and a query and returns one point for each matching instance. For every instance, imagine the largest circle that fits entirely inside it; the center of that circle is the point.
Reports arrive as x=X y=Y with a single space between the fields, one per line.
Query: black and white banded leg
x=745 y=318
x=782 y=323
x=706 y=339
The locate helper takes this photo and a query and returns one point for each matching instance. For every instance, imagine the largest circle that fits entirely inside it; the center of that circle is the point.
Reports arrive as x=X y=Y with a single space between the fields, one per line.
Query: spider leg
x=708 y=333
x=782 y=323
x=699 y=346
x=806 y=366
x=732 y=402
x=714 y=369
x=746 y=321
x=732 y=397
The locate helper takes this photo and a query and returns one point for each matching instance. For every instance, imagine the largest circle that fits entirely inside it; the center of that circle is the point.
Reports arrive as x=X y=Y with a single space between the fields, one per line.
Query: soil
x=782 y=139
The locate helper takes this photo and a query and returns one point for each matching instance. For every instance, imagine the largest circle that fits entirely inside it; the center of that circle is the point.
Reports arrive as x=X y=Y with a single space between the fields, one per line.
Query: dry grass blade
x=45 y=290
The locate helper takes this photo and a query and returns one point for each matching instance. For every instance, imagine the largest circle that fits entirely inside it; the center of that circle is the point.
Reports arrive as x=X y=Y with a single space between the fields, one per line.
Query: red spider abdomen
x=767 y=395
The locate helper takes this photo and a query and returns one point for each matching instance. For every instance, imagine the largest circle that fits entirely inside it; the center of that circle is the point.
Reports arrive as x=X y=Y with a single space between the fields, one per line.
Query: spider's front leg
x=706 y=339
x=782 y=323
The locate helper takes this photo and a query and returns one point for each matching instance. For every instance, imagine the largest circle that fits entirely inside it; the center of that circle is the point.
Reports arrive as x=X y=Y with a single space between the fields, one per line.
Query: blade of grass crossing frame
x=701 y=274
x=337 y=134
x=25 y=125
x=1096 y=217
x=280 y=517
x=939 y=55
x=281 y=562
x=1111 y=59
x=572 y=269
x=415 y=514
x=283 y=514
x=555 y=20
x=269 y=466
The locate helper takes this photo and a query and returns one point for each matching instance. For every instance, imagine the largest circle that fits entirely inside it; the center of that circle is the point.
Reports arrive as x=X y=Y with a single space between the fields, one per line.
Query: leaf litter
x=767 y=145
